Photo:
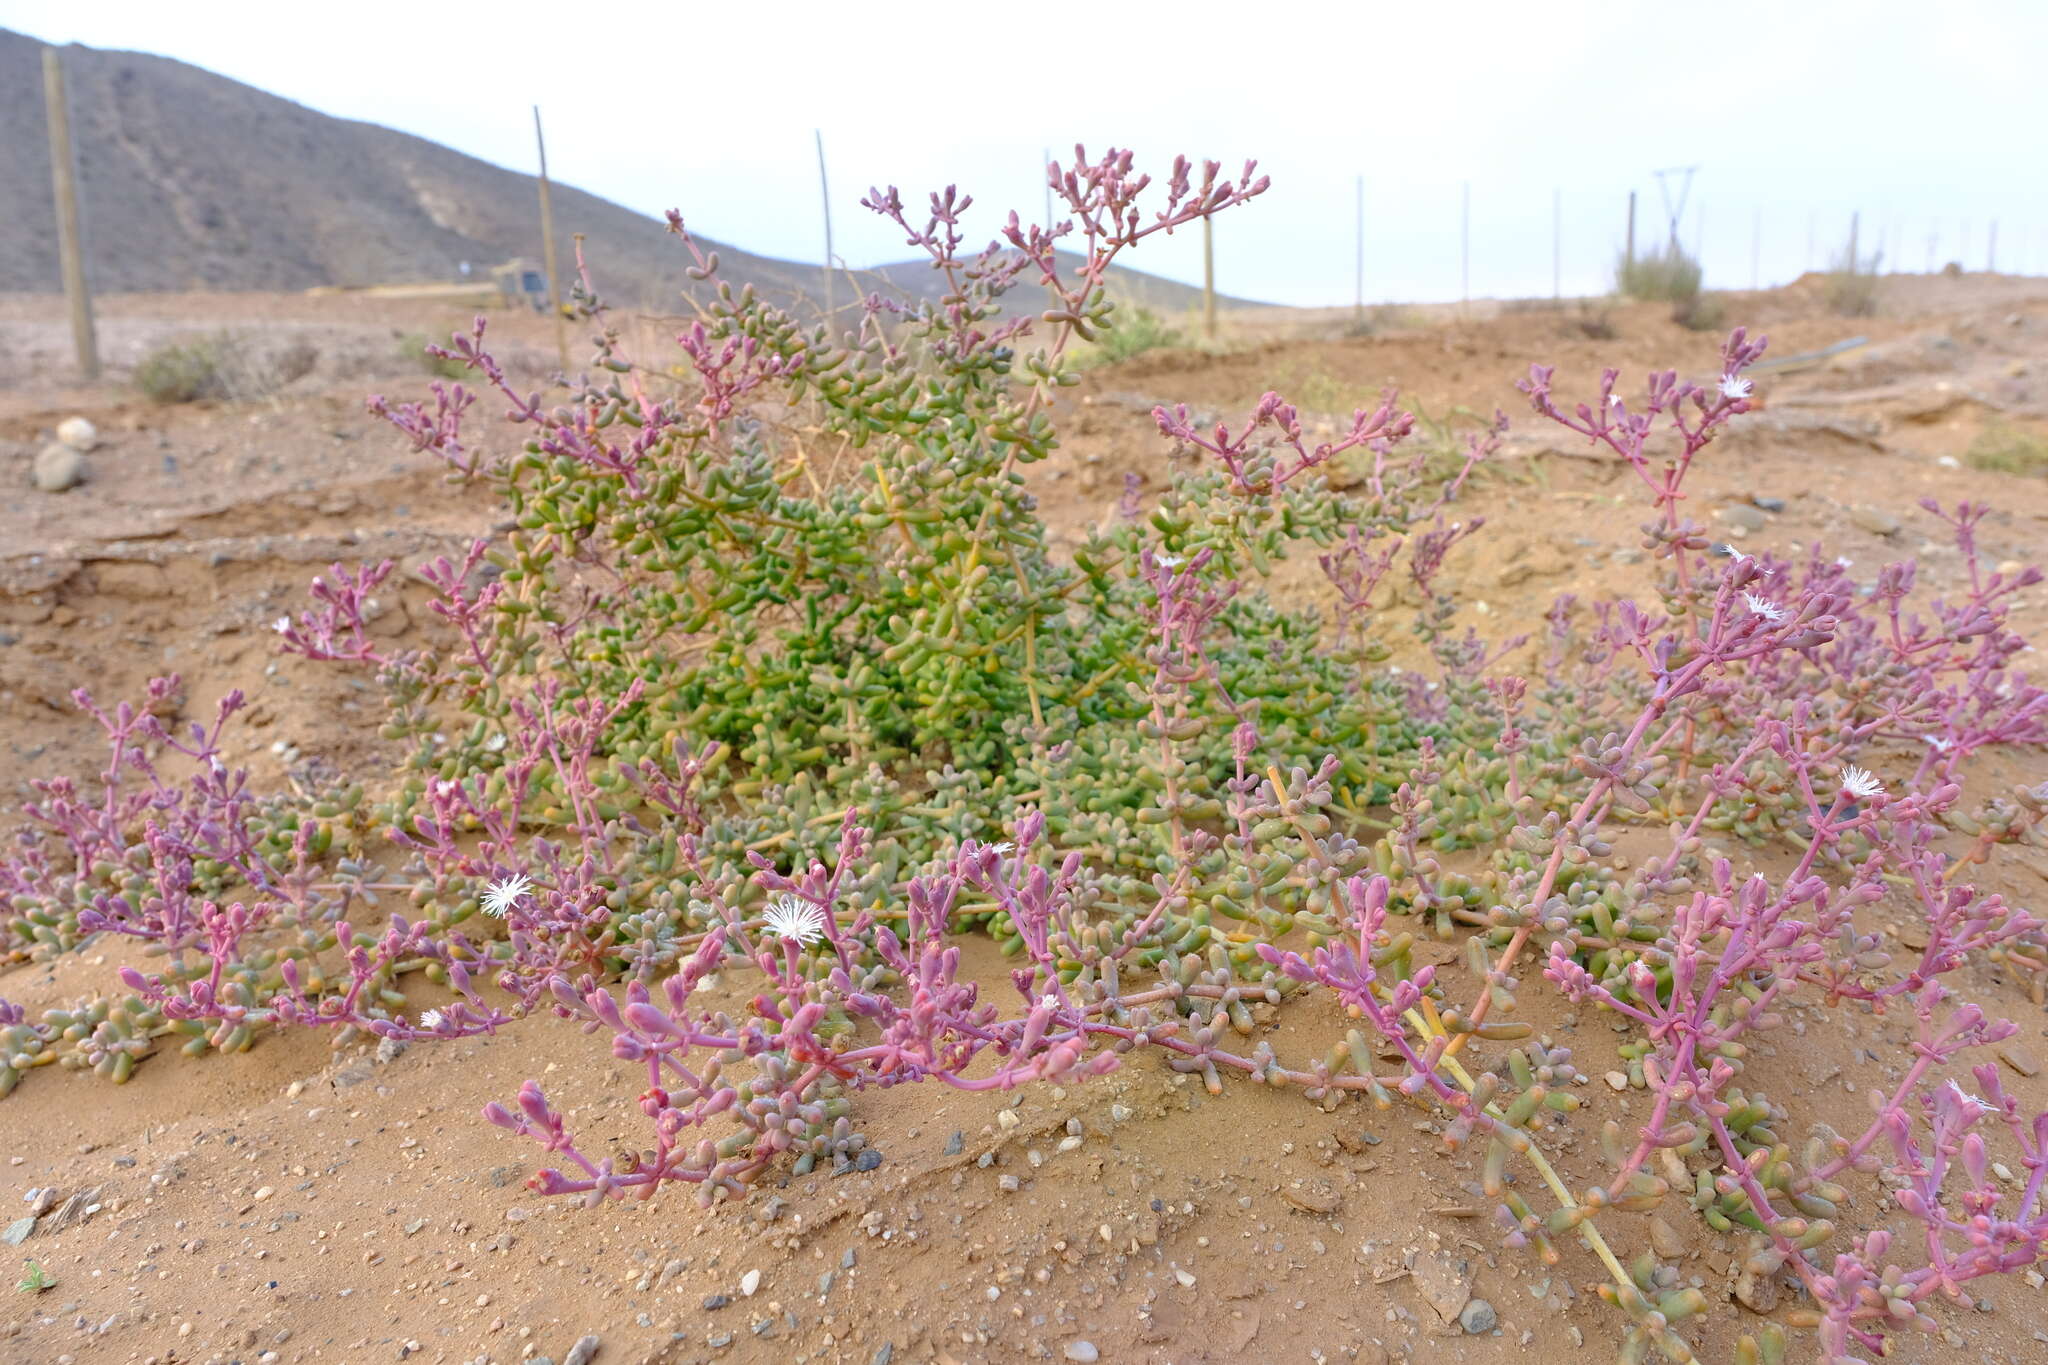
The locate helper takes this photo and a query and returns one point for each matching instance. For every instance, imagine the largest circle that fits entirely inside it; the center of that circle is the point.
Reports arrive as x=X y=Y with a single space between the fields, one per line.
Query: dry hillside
x=188 y=180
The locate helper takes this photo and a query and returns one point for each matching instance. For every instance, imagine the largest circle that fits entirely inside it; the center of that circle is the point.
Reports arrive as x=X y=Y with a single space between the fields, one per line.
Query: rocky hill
x=188 y=180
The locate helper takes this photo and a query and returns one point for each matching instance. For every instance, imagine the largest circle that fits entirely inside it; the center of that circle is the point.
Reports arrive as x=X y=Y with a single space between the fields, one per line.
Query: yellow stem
x=1424 y=1026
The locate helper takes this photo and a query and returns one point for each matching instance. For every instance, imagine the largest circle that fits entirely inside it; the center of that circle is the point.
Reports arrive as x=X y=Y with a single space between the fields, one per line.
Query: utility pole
x=1465 y=247
x=1557 y=246
x=64 y=183
x=1358 y=294
x=1991 y=250
x=1756 y=249
x=1208 y=278
x=547 y=244
x=1628 y=259
x=1676 y=213
x=825 y=194
x=1855 y=261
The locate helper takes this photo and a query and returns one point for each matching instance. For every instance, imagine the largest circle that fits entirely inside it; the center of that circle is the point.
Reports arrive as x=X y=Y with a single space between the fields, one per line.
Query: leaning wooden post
x=1208 y=280
x=1556 y=247
x=825 y=193
x=547 y=246
x=1358 y=293
x=1464 y=248
x=1045 y=173
x=64 y=182
x=1628 y=259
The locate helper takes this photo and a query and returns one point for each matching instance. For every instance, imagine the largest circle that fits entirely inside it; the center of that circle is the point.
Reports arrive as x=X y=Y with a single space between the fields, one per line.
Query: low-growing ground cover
x=776 y=689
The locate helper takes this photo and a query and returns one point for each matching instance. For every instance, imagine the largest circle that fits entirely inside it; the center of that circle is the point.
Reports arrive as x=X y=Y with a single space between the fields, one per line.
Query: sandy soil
x=296 y=1203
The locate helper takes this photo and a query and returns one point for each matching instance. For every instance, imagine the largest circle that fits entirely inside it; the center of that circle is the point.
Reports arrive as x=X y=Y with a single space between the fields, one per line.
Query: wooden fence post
x=547 y=244
x=1208 y=279
x=64 y=183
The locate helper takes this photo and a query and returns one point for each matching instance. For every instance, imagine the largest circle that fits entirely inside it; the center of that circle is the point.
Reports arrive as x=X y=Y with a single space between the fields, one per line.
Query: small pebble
x=77 y=433
x=57 y=468
x=1477 y=1317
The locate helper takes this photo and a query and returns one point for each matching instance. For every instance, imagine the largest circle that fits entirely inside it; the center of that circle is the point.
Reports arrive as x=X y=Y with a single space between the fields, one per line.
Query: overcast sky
x=1929 y=117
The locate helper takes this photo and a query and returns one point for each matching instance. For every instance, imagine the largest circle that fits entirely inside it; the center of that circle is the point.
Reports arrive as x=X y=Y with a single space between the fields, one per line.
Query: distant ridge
x=189 y=180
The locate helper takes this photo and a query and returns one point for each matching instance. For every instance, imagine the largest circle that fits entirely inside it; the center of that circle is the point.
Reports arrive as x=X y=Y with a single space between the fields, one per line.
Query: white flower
x=1859 y=784
x=791 y=917
x=1732 y=387
x=1613 y=400
x=1168 y=561
x=500 y=896
x=1001 y=847
x=1770 y=611
x=1965 y=1097
x=430 y=1020
x=282 y=625
x=1842 y=563
x=1048 y=1001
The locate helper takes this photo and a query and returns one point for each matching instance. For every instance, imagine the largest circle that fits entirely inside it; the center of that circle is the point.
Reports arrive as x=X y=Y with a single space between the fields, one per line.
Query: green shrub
x=181 y=372
x=222 y=367
x=1851 y=286
x=1666 y=274
x=2008 y=449
x=1134 y=332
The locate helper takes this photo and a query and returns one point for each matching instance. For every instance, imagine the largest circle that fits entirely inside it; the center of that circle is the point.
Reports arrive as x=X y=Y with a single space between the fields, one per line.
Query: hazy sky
x=1929 y=117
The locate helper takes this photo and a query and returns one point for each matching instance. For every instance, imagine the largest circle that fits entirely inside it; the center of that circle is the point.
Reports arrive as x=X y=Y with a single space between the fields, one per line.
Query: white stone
x=78 y=433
